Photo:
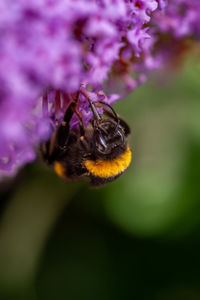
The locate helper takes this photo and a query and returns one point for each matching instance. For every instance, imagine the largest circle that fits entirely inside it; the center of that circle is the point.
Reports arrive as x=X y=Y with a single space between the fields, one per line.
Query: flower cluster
x=180 y=19
x=48 y=46
x=50 y=49
x=175 y=29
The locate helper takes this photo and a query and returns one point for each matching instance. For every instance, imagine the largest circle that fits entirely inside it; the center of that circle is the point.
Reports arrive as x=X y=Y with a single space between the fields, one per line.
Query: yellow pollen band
x=109 y=168
x=59 y=169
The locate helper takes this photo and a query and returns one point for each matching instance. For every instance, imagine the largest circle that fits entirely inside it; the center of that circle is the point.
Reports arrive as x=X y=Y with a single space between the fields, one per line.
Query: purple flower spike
x=47 y=50
x=51 y=49
x=181 y=18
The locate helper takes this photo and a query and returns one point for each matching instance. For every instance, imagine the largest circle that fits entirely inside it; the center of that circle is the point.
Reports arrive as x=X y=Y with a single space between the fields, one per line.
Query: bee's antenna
x=113 y=111
x=94 y=110
x=86 y=94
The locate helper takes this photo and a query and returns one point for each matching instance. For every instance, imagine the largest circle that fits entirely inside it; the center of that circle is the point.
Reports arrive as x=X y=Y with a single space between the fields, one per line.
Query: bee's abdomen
x=98 y=181
x=109 y=168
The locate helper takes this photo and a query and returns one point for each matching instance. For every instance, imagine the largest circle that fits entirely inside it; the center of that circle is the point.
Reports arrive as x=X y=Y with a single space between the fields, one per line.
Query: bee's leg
x=60 y=137
x=64 y=128
x=83 y=139
x=81 y=126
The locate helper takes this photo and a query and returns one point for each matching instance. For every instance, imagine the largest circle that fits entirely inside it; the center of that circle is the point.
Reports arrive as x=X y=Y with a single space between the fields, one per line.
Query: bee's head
x=109 y=138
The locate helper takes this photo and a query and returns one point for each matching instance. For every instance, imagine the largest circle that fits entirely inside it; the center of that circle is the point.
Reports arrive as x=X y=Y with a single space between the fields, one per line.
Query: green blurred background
x=138 y=237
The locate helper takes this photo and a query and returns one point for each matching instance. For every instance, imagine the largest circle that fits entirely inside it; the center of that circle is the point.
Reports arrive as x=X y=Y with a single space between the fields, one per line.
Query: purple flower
x=48 y=49
x=162 y=4
x=181 y=18
x=175 y=29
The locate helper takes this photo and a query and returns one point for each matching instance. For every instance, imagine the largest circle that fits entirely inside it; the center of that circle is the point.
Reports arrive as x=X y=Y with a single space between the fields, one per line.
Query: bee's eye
x=100 y=143
x=119 y=134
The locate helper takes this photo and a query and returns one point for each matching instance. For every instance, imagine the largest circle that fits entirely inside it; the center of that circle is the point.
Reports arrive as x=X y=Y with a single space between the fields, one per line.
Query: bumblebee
x=99 y=152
